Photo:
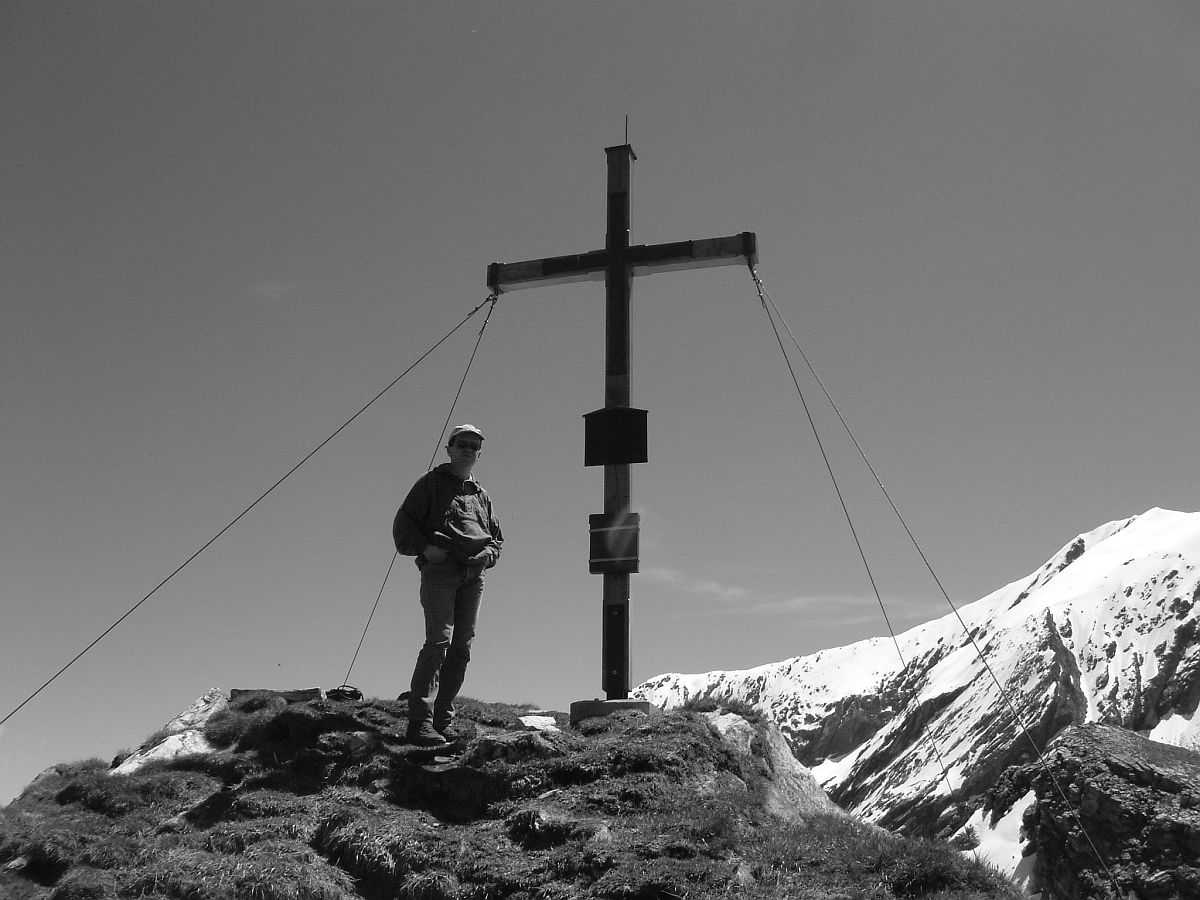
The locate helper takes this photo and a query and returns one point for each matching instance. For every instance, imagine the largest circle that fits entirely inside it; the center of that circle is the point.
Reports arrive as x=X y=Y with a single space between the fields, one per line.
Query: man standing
x=447 y=523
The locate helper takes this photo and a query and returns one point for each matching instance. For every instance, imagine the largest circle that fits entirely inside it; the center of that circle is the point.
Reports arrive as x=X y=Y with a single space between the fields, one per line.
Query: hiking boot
x=424 y=735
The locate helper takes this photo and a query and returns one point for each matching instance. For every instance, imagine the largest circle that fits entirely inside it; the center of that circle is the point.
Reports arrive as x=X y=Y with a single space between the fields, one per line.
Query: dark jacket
x=456 y=515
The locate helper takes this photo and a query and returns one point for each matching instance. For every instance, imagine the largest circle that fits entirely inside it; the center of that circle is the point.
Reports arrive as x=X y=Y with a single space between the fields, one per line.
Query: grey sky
x=228 y=225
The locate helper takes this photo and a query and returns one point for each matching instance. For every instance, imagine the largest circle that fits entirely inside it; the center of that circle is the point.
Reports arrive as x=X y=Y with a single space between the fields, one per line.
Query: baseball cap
x=467 y=429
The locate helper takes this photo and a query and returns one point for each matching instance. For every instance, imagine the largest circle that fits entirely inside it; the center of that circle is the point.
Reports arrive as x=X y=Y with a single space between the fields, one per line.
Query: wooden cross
x=616 y=434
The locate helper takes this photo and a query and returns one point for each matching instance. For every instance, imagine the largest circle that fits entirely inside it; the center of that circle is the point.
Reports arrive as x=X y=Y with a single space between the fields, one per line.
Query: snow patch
x=1179 y=730
x=1001 y=843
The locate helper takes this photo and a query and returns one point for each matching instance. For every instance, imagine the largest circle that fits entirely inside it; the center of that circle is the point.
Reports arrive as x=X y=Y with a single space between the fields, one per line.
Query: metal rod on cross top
x=615 y=436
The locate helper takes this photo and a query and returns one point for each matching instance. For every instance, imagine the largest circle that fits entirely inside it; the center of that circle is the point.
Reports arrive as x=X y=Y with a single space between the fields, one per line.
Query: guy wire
x=762 y=296
x=772 y=313
x=240 y=515
x=395 y=555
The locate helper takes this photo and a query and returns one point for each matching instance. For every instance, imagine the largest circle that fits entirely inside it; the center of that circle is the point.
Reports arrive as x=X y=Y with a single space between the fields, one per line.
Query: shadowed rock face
x=851 y=721
x=1106 y=631
x=1176 y=686
x=1113 y=813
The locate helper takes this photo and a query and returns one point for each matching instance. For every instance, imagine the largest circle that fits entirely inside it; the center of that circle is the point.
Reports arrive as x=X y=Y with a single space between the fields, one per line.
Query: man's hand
x=484 y=557
x=435 y=554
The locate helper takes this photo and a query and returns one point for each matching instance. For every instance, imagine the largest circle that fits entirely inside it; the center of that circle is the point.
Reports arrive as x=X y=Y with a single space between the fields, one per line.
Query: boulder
x=184 y=734
x=791 y=791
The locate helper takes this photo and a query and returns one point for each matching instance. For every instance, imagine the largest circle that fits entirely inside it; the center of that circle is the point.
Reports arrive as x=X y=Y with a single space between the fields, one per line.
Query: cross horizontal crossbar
x=642 y=259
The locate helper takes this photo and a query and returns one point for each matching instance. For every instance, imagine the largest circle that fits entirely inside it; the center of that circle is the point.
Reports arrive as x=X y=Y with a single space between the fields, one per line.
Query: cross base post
x=597 y=709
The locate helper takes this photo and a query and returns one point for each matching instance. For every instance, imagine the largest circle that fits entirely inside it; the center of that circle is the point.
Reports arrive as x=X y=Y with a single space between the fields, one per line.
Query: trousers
x=450 y=596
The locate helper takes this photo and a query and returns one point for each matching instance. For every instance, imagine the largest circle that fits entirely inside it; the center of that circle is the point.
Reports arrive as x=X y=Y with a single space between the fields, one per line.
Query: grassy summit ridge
x=324 y=801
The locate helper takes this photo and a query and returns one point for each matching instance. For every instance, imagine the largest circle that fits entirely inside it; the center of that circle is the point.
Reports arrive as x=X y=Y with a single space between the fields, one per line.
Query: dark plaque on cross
x=615 y=436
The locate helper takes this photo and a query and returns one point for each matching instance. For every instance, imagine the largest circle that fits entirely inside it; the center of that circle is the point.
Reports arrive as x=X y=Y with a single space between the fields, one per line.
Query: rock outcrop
x=789 y=790
x=1109 y=813
x=182 y=735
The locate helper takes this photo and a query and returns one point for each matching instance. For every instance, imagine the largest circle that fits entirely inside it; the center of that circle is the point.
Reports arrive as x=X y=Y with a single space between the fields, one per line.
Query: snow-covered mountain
x=910 y=733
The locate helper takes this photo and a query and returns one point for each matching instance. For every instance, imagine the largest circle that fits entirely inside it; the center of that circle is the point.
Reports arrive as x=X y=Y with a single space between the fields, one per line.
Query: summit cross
x=616 y=435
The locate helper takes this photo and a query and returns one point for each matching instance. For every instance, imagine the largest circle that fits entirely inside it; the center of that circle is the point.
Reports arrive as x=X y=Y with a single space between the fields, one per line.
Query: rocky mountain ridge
x=1105 y=632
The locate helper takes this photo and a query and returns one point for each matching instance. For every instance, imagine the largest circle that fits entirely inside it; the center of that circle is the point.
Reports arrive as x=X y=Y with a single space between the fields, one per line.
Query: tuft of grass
x=263 y=804
x=229 y=769
x=751 y=714
x=721 y=822
x=967 y=840
x=919 y=868
x=243 y=718
x=663 y=877
x=48 y=854
x=86 y=884
x=155 y=738
x=379 y=852
x=238 y=837
x=862 y=859
x=496 y=715
x=269 y=870
x=125 y=796
x=433 y=885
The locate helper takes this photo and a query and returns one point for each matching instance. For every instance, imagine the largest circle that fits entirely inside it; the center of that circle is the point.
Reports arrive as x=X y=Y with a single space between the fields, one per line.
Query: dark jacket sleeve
x=408 y=528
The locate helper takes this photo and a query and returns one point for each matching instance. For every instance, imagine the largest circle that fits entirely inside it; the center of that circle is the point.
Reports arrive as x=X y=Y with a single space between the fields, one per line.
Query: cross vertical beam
x=618 y=280
x=618 y=477
x=617 y=264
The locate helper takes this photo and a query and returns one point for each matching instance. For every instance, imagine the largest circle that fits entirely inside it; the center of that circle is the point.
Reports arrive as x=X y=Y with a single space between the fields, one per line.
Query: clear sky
x=227 y=225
